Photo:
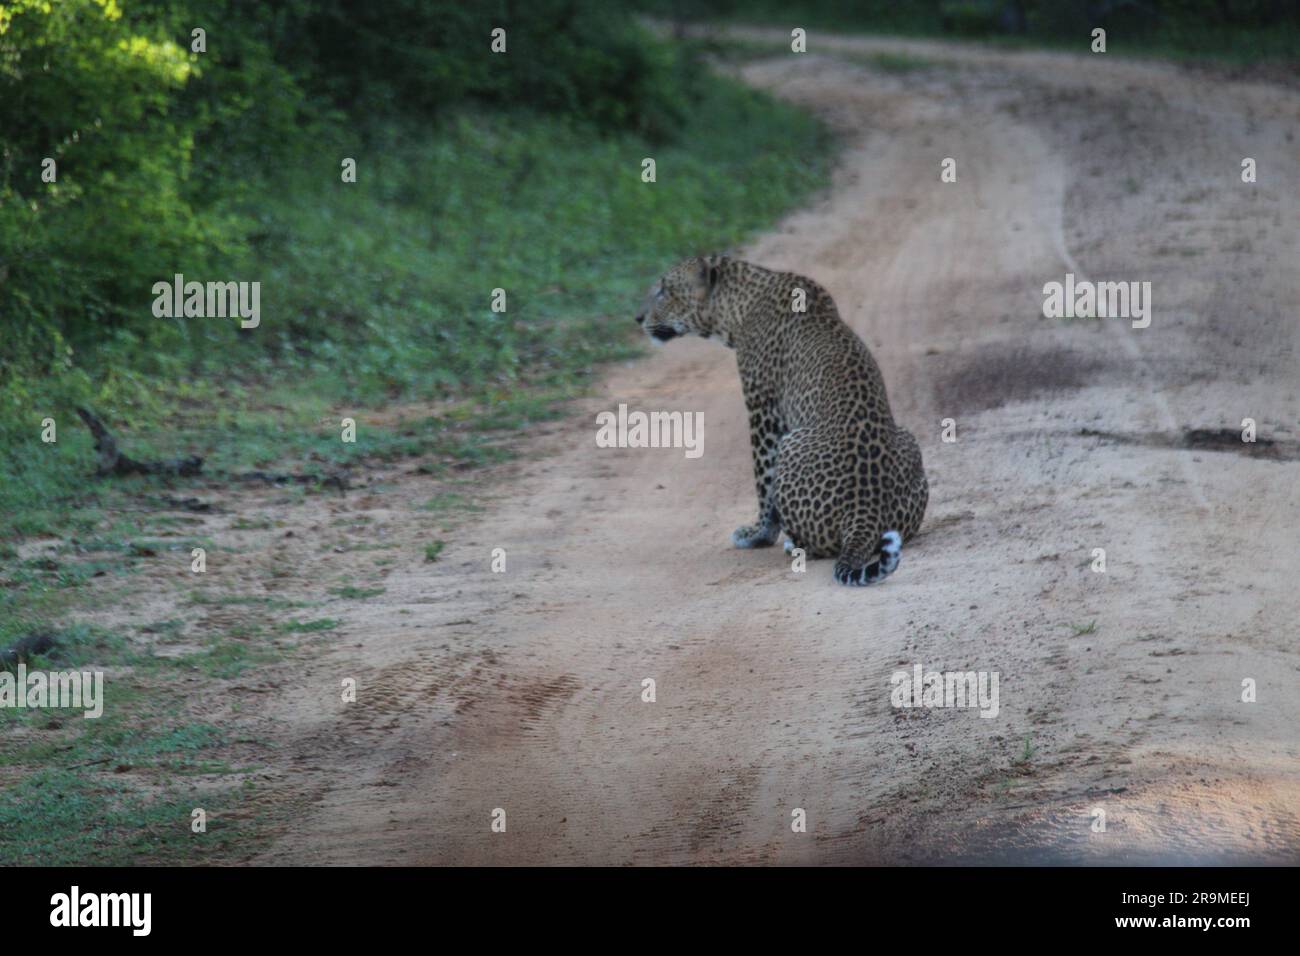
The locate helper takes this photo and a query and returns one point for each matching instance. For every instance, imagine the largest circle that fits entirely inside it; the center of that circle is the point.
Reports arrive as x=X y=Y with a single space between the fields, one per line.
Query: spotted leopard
x=833 y=471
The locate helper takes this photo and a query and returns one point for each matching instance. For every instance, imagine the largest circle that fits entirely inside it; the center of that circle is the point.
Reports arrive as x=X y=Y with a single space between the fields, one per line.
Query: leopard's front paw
x=754 y=536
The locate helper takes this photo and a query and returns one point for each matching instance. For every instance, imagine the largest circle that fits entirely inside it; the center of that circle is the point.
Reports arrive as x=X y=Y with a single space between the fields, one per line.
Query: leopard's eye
x=659 y=295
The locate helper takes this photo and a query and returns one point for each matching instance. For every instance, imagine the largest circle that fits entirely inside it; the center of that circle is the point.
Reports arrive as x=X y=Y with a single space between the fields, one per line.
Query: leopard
x=834 y=473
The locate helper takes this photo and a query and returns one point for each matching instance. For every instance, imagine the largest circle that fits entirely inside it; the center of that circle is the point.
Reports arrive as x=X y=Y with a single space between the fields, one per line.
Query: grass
x=1178 y=38
x=294 y=626
x=356 y=594
x=230 y=657
x=117 y=789
x=245 y=600
x=67 y=817
x=450 y=501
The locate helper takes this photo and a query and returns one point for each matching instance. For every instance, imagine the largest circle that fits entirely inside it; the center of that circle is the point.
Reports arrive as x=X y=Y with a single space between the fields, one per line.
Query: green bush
x=82 y=86
x=419 y=57
x=165 y=156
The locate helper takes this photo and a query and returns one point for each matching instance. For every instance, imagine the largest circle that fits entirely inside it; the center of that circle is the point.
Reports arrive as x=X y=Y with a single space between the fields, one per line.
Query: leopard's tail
x=866 y=560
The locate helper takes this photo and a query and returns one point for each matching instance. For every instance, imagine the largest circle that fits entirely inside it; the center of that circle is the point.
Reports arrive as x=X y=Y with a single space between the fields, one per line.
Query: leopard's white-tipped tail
x=880 y=565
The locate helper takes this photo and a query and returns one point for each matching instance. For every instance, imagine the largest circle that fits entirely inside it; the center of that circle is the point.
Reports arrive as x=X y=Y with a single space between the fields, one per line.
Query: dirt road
x=1119 y=691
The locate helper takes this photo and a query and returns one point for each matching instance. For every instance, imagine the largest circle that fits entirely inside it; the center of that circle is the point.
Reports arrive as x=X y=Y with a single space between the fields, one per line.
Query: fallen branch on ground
x=113 y=462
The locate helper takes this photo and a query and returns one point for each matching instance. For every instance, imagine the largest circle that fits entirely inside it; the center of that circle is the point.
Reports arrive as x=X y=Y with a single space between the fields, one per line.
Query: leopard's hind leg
x=915 y=488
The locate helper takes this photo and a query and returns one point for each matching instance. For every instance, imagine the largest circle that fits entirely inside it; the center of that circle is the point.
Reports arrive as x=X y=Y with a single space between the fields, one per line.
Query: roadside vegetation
x=1241 y=33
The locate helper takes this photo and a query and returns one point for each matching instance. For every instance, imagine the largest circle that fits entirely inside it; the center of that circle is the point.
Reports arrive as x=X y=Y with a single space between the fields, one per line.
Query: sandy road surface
x=522 y=690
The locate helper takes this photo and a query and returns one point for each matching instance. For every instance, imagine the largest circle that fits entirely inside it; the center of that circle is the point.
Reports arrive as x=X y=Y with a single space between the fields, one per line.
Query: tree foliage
x=162 y=154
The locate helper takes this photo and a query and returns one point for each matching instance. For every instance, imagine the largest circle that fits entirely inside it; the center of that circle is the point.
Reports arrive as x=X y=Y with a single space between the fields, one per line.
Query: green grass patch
x=117 y=789
x=450 y=501
x=309 y=627
x=246 y=600
x=59 y=817
x=229 y=658
x=356 y=594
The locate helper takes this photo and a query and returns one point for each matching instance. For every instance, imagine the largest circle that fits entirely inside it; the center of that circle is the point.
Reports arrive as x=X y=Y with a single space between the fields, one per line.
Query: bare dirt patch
x=994 y=375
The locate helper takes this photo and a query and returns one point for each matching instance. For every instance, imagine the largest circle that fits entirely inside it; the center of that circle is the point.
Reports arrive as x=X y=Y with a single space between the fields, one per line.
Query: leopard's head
x=679 y=303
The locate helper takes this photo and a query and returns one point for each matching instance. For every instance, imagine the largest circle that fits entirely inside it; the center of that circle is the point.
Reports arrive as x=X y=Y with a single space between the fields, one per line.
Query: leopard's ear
x=709 y=271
